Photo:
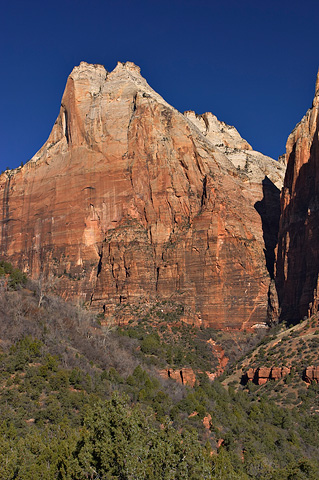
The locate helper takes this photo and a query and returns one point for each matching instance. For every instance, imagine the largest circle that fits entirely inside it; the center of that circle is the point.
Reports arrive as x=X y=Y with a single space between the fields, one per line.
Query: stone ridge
x=227 y=139
x=219 y=133
x=262 y=375
x=128 y=201
x=297 y=266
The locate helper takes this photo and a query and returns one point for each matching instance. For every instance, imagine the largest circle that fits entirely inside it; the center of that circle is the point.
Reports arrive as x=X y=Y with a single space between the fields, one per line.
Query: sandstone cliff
x=311 y=374
x=130 y=201
x=262 y=375
x=298 y=253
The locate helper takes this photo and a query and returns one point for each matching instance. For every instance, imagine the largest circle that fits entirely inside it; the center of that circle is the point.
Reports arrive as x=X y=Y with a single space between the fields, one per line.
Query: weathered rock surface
x=262 y=375
x=311 y=374
x=185 y=375
x=250 y=374
x=219 y=353
x=279 y=372
x=297 y=265
x=129 y=200
x=264 y=177
x=207 y=421
x=253 y=166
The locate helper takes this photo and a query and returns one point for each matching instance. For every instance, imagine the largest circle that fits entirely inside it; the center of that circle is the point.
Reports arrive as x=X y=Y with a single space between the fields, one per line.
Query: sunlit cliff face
x=131 y=201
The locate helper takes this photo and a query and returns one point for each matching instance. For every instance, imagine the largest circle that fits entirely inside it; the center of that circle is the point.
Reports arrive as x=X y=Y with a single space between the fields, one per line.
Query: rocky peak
x=87 y=71
x=253 y=166
x=218 y=133
x=128 y=74
x=130 y=201
x=94 y=73
x=128 y=66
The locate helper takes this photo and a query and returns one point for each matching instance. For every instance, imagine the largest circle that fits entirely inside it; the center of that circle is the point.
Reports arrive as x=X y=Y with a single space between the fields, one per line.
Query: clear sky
x=251 y=63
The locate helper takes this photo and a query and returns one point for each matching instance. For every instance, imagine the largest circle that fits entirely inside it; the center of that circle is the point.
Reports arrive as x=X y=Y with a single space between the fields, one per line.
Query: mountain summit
x=131 y=201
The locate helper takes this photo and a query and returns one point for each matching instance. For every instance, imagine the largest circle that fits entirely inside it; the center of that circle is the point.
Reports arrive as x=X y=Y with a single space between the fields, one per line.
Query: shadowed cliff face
x=298 y=252
x=269 y=211
x=131 y=201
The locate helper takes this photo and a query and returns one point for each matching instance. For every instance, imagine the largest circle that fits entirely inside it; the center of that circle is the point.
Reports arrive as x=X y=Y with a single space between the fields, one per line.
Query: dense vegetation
x=13 y=277
x=80 y=401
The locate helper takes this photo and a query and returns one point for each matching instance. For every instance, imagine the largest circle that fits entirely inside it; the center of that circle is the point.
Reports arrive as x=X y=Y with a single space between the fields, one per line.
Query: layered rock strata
x=297 y=265
x=185 y=375
x=131 y=201
x=262 y=375
x=311 y=374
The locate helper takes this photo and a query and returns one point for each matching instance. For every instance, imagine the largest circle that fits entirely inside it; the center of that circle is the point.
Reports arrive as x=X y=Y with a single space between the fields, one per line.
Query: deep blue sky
x=251 y=63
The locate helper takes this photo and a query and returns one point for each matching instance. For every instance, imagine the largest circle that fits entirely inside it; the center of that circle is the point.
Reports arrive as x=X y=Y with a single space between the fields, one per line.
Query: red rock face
x=298 y=252
x=207 y=421
x=311 y=374
x=185 y=375
x=261 y=375
x=219 y=353
x=250 y=374
x=129 y=201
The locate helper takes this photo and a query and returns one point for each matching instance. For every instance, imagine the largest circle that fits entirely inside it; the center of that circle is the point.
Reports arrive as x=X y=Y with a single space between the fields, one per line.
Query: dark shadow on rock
x=244 y=379
x=269 y=211
x=298 y=246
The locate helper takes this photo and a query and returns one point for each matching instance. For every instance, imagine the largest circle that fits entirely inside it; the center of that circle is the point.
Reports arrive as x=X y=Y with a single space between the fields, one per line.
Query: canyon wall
x=131 y=201
x=297 y=266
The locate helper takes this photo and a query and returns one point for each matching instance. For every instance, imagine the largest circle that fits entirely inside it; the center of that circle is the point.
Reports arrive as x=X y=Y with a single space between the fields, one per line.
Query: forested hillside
x=80 y=401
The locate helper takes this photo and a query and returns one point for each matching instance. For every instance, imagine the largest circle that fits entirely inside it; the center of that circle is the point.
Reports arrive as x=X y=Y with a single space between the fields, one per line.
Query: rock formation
x=131 y=201
x=297 y=266
x=219 y=353
x=311 y=374
x=185 y=375
x=262 y=375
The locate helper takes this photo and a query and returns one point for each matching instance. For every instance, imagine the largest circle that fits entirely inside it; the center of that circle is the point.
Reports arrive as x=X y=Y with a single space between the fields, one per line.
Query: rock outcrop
x=185 y=375
x=130 y=201
x=219 y=353
x=250 y=164
x=311 y=374
x=262 y=375
x=297 y=265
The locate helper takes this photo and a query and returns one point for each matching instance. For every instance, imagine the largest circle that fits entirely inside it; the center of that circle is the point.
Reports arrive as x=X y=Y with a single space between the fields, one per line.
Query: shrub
x=151 y=344
x=16 y=277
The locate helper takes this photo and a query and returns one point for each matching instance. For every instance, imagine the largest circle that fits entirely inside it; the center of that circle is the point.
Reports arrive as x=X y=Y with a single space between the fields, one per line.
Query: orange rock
x=262 y=375
x=311 y=374
x=285 y=371
x=250 y=374
x=211 y=375
x=279 y=372
x=207 y=421
x=219 y=353
x=220 y=442
x=188 y=376
x=264 y=372
x=262 y=381
x=175 y=375
x=130 y=200
x=185 y=376
x=298 y=253
x=163 y=373
x=193 y=414
x=275 y=373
